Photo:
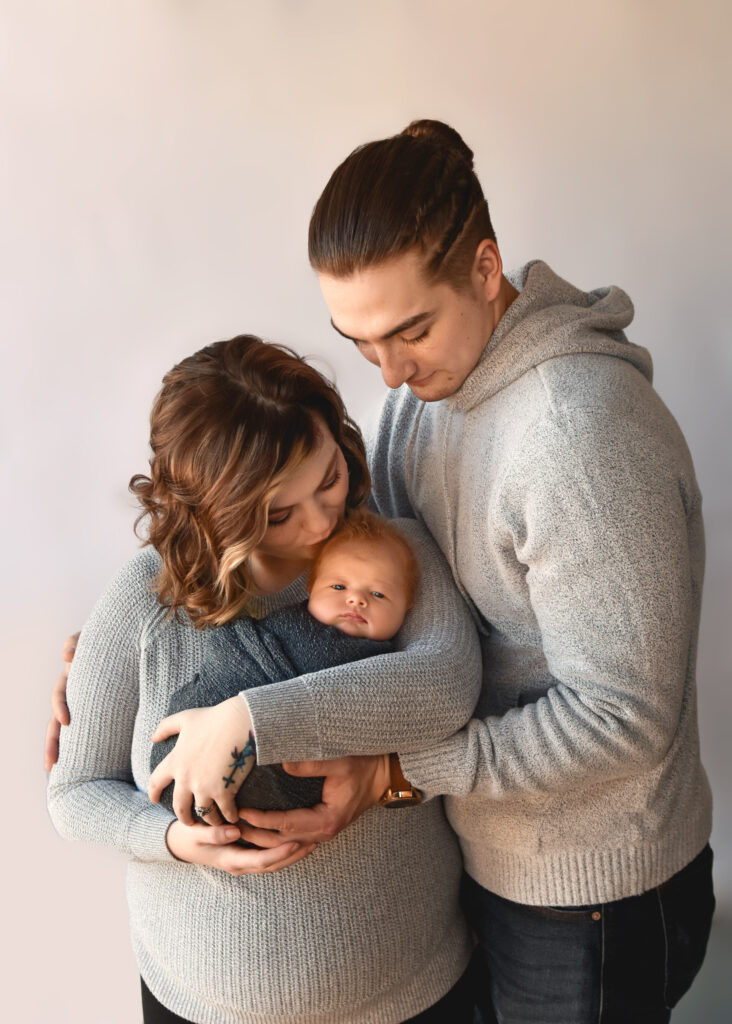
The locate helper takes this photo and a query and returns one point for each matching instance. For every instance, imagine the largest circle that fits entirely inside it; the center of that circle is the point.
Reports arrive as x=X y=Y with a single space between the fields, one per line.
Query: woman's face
x=308 y=507
x=421 y=333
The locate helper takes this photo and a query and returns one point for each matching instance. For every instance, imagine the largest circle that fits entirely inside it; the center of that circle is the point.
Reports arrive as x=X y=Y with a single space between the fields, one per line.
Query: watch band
x=399 y=792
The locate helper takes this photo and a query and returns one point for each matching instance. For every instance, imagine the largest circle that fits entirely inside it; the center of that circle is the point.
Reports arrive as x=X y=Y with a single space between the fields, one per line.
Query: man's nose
x=395 y=369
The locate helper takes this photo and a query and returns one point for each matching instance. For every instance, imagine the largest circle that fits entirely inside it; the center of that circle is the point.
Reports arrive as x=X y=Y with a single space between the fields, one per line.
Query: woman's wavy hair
x=417 y=190
x=230 y=425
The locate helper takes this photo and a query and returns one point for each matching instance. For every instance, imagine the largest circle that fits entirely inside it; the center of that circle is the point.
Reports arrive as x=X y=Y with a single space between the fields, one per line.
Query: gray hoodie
x=562 y=493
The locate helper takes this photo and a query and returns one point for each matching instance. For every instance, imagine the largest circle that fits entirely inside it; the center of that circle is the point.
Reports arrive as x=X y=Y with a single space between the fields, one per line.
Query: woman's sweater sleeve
x=91 y=793
x=606 y=525
x=417 y=695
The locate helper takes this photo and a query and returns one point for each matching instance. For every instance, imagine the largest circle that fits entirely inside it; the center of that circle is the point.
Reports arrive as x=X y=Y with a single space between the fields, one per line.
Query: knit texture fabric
x=562 y=493
x=255 y=652
x=323 y=941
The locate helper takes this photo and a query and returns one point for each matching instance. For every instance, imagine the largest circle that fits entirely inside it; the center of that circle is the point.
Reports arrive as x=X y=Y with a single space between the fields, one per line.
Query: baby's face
x=360 y=589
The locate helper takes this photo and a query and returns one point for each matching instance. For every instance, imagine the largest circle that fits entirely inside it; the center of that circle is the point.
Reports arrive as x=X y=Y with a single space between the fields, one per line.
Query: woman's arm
x=92 y=794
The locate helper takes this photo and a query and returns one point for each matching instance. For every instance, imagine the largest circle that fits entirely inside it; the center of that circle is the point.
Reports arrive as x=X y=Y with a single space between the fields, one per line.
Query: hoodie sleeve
x=604 y=518
x=91 y=793
x=419 y=694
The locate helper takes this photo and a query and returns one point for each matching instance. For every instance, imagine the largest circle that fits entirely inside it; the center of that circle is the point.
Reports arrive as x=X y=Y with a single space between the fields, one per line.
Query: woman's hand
x=214 y=751
x=215 y=847
x=351 y=785
x=60 y=711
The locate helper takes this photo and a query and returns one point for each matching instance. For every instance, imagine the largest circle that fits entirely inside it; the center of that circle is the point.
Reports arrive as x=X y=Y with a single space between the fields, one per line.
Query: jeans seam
x=665 y=949
x=601 y=1006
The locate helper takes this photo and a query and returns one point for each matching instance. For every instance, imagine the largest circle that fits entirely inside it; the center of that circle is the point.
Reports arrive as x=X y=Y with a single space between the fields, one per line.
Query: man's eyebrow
x=328 y=473
x=405 y=325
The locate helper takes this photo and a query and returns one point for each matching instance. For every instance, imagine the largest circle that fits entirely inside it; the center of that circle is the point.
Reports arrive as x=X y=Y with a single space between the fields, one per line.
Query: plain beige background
x=159 y=161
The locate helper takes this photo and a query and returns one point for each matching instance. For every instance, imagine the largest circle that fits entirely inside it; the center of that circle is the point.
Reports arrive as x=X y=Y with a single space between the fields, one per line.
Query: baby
x=361 y=585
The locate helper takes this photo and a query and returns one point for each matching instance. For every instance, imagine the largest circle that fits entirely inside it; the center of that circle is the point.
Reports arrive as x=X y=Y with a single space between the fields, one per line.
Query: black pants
x=456 y=1007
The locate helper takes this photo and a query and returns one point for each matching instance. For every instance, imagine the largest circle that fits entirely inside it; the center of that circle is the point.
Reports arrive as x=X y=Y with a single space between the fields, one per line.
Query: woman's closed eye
x=332 y=482
x=279 y=518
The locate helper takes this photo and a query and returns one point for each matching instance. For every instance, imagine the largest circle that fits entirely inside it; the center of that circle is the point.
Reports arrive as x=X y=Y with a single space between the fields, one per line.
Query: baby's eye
x=377 y=593
x=337 y=586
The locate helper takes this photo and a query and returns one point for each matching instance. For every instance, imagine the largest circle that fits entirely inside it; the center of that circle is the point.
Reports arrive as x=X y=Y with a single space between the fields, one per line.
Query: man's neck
x=506 y=296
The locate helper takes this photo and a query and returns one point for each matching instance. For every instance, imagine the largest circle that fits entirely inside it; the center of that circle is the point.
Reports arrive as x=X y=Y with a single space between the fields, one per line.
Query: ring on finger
x=203 y=811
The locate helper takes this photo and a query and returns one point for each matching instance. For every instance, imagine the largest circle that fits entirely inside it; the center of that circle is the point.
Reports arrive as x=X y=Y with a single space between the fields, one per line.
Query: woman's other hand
x=214 y=751
x=351 y=785
x=215 y=847
x=59 y=708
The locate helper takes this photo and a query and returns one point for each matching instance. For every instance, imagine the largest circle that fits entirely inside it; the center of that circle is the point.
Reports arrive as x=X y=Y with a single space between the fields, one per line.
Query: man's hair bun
x=442 y=136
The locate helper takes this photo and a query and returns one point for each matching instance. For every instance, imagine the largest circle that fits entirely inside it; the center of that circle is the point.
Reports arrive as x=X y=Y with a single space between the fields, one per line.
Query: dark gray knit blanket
x=254 y=652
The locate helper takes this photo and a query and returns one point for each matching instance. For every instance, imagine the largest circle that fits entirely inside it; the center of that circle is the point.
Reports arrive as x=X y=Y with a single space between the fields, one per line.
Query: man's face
x=360 y=588
x=426 y=335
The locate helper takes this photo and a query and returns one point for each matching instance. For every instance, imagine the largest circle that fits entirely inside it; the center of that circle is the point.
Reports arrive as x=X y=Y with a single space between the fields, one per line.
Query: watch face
x=401 y=798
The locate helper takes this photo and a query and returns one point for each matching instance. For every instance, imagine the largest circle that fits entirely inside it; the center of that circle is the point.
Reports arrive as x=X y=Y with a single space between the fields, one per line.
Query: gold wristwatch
x=399 y=793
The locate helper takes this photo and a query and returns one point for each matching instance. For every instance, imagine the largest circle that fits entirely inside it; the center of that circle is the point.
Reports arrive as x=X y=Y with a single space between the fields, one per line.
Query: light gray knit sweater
x=562 y=493
x=326 y=940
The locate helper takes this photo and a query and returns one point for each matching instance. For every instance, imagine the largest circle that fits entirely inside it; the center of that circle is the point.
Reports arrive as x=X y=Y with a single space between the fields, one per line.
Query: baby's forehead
x=361 y=552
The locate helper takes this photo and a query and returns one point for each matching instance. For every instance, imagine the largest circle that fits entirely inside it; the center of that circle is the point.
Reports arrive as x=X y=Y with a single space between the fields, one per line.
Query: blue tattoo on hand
x=240 y=760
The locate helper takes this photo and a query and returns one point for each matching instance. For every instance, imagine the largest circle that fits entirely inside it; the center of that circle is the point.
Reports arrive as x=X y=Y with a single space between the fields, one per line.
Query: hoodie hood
x=551 y=318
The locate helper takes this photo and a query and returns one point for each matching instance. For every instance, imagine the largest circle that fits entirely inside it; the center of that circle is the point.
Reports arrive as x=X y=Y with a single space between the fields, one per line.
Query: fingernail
x=232 y=833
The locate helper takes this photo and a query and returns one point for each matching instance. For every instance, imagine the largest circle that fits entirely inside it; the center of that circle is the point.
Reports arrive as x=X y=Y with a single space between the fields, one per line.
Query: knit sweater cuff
x=433 y=770
x=285 y=723
x=147 y=832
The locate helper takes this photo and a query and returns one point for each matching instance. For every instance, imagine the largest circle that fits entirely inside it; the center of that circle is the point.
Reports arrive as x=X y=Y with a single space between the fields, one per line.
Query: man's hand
x=212 y=846
x=351 y=785
x=59 y=708
x=212 y=756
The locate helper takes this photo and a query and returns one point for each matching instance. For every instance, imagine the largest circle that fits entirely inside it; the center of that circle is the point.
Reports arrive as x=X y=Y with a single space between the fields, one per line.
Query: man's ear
x=488 y=269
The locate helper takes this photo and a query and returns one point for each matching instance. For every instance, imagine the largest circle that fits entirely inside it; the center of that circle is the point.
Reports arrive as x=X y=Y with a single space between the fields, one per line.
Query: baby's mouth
x=354 y=616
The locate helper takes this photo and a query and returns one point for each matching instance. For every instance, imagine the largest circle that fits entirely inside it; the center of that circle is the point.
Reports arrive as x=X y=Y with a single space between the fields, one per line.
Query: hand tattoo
x=240 y=760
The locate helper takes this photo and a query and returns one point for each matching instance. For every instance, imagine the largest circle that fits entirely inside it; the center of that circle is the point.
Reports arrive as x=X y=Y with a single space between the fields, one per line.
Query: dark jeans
x=627 y=962
x=456 y=1007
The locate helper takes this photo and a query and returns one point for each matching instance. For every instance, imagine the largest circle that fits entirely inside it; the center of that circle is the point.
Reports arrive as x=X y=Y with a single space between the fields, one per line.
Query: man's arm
x=610 y=535
x=420 y=694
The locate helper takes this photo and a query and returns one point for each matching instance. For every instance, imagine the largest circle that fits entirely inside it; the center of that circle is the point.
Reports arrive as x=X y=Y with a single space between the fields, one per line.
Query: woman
x=254 y=462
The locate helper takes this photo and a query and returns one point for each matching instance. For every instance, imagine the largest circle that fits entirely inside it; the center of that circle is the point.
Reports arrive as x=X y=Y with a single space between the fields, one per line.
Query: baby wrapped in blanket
x=361 y=587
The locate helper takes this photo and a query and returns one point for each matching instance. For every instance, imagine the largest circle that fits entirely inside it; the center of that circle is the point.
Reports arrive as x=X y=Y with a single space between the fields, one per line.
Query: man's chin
x=430 y=391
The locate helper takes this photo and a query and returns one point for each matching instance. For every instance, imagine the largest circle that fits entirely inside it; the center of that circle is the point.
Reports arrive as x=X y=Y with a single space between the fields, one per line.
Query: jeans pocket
x=687 y=905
